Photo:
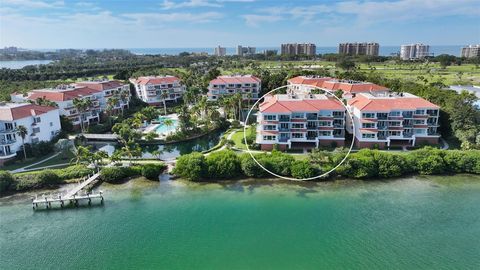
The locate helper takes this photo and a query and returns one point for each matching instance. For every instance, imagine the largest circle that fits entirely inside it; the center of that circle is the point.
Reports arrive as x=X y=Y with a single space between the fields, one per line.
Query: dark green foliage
x=152 y=171
x=42 y=148
x=223 y=164
x=428 y=160
x=117 y=174
x=6 y=180
x=250 y=168
x=74 y=172
x=391 y=164
x=48 y=178
x=277 y=162
x=302 y=169
x=191 y=166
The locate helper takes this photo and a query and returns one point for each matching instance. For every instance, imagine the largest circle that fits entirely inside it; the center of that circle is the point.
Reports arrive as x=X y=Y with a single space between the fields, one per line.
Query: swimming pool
x=164 y=129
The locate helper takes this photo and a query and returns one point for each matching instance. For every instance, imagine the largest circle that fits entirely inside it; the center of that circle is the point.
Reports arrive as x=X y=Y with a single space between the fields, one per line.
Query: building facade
x=220 y=51
x=414 y=51
x=371 y=48
x=393 y=119
x=471 y=51
x=296 y=120
x=154 y=90
x=309 y=49
x=247 y=85
x=98 y=92
x=349 y=88
x=42 y=124
x=243 y=51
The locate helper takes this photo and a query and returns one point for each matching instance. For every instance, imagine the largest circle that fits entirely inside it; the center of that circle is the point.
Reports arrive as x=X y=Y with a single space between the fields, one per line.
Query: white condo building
x=402 y=119
x=220 y=51
x=414 y=51
x=156 y=89
x=247 y=85
x=42 y=124
x=99 y=92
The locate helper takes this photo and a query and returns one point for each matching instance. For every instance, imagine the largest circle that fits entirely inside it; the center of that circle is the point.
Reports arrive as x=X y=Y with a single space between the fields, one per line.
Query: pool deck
x=153 y=127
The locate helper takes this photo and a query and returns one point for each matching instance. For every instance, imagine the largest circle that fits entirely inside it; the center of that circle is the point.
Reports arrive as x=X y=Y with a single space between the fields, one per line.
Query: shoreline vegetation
x=365 y=164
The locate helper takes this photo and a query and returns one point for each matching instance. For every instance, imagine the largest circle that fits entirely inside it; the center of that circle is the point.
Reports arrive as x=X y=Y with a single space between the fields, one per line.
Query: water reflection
x=168 y=151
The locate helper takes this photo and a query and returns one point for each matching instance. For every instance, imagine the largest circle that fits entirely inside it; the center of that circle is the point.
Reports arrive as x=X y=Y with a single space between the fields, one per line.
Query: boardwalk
x=71 y=196
x=100 y=137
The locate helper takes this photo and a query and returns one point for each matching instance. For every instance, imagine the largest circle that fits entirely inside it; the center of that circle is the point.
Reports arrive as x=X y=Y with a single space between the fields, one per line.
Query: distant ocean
x=384 y=50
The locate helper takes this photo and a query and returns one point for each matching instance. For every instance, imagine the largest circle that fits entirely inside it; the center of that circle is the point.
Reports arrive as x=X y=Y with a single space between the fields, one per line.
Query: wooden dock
x=71 y=197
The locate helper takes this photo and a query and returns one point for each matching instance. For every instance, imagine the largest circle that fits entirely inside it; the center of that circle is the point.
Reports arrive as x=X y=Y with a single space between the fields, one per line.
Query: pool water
x=164 y=129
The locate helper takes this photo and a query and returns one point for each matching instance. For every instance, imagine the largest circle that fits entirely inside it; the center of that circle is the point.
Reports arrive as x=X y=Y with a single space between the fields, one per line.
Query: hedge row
x=365 y=164
x=40 y=179
x=117 y=174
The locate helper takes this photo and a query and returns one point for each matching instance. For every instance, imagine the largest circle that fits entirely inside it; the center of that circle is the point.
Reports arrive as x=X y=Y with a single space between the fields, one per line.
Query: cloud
x=167 y=4
x=147 y=18
x=256 y=20
x=33 y=3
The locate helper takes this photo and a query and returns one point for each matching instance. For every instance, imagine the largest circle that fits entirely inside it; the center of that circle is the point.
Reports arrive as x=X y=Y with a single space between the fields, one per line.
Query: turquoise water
x=162 y=128
x=414 y=223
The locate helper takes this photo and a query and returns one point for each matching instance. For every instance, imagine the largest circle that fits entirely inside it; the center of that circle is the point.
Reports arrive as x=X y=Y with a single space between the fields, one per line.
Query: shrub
x=72 y=172
x=277 y=162
x=115 y=174
x=428 y=160
x=360 y=165
x=42 y=148
x=223 y=164
x=250 y=168
x=152 y=171
x=191 y=166
x=391 y=165
x=6 y=180
x=302 y=169
x=48 y=178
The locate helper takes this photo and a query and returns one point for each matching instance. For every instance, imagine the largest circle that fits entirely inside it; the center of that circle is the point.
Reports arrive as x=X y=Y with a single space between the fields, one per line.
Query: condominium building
x=364 y=48
x=399 y=119
x=99 y=92
x=42 y=124
x=414 y=51
x=299 y=49
x=243 y=51
x=156 y=89
x=220 y=51
x=349 y=88
x=297 y=120
x=471 y=51
x=247 y=85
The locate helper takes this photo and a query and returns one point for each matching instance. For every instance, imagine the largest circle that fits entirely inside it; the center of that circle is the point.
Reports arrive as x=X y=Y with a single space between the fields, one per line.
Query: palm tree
x=82 y=105
x=124 y=94
x=164 y=97
x=168 y=122
x=111 y=103
x=23 y=132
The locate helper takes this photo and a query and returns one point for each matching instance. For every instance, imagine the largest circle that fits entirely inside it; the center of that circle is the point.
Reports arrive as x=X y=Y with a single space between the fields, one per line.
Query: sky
x=260 y=23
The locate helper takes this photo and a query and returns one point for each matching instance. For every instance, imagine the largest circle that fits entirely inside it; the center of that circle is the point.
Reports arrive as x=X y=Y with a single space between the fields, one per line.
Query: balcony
x=284 y=119
x=284 y=139
x=7 y=130
x=4 y=155
x=7 y=142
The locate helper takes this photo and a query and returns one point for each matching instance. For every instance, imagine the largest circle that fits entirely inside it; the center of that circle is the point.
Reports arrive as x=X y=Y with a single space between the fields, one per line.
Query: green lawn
x=238 y=139
x=60 y=159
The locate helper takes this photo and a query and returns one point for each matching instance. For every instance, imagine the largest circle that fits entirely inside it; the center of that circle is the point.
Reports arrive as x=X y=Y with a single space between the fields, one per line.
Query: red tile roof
x=410 y=102
x=103 y=85
x=274 y=105
x=156 y=80
x=62 y=95
x=12 y=112
x=235 y=79
x=334 y=84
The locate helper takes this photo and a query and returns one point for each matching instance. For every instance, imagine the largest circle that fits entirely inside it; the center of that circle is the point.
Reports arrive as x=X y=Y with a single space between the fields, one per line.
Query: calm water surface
x=414 y=223
x=18 y=64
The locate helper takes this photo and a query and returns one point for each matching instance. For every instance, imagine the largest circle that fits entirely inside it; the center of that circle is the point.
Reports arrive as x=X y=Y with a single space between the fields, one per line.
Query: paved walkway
x=24 y=169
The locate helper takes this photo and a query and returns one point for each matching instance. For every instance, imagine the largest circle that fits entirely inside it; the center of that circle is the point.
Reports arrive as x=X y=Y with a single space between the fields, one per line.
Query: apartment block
x=42 y=124
x=471 y=51
x=414 y=51
x=247 y=85
x=364 y=48
x=299 y=49
x=220 y=51
x=156 y=89
x=393 y=119
x=300 y=121
x=99 y=92
x=243 y=51
x=349 y=88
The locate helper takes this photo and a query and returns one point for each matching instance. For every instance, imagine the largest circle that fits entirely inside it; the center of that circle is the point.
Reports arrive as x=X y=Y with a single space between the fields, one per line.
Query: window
x=394 y=133
x=298 y=125
x=394 y=123
x=8 y=126
x=269 y=138
x=368 y=115
x=298 y=115
x=37 y=120
x=297 y=135
x=35 y=140
x=368 y=125
x=420 y=112
x=395 y=113
x=269 y=117
x=284 y=126
x=368 y=135
x=36 y=130
x=325 y=133
x=419 y=131
x=269 y=127
x=325 y=123
x=419 y=122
